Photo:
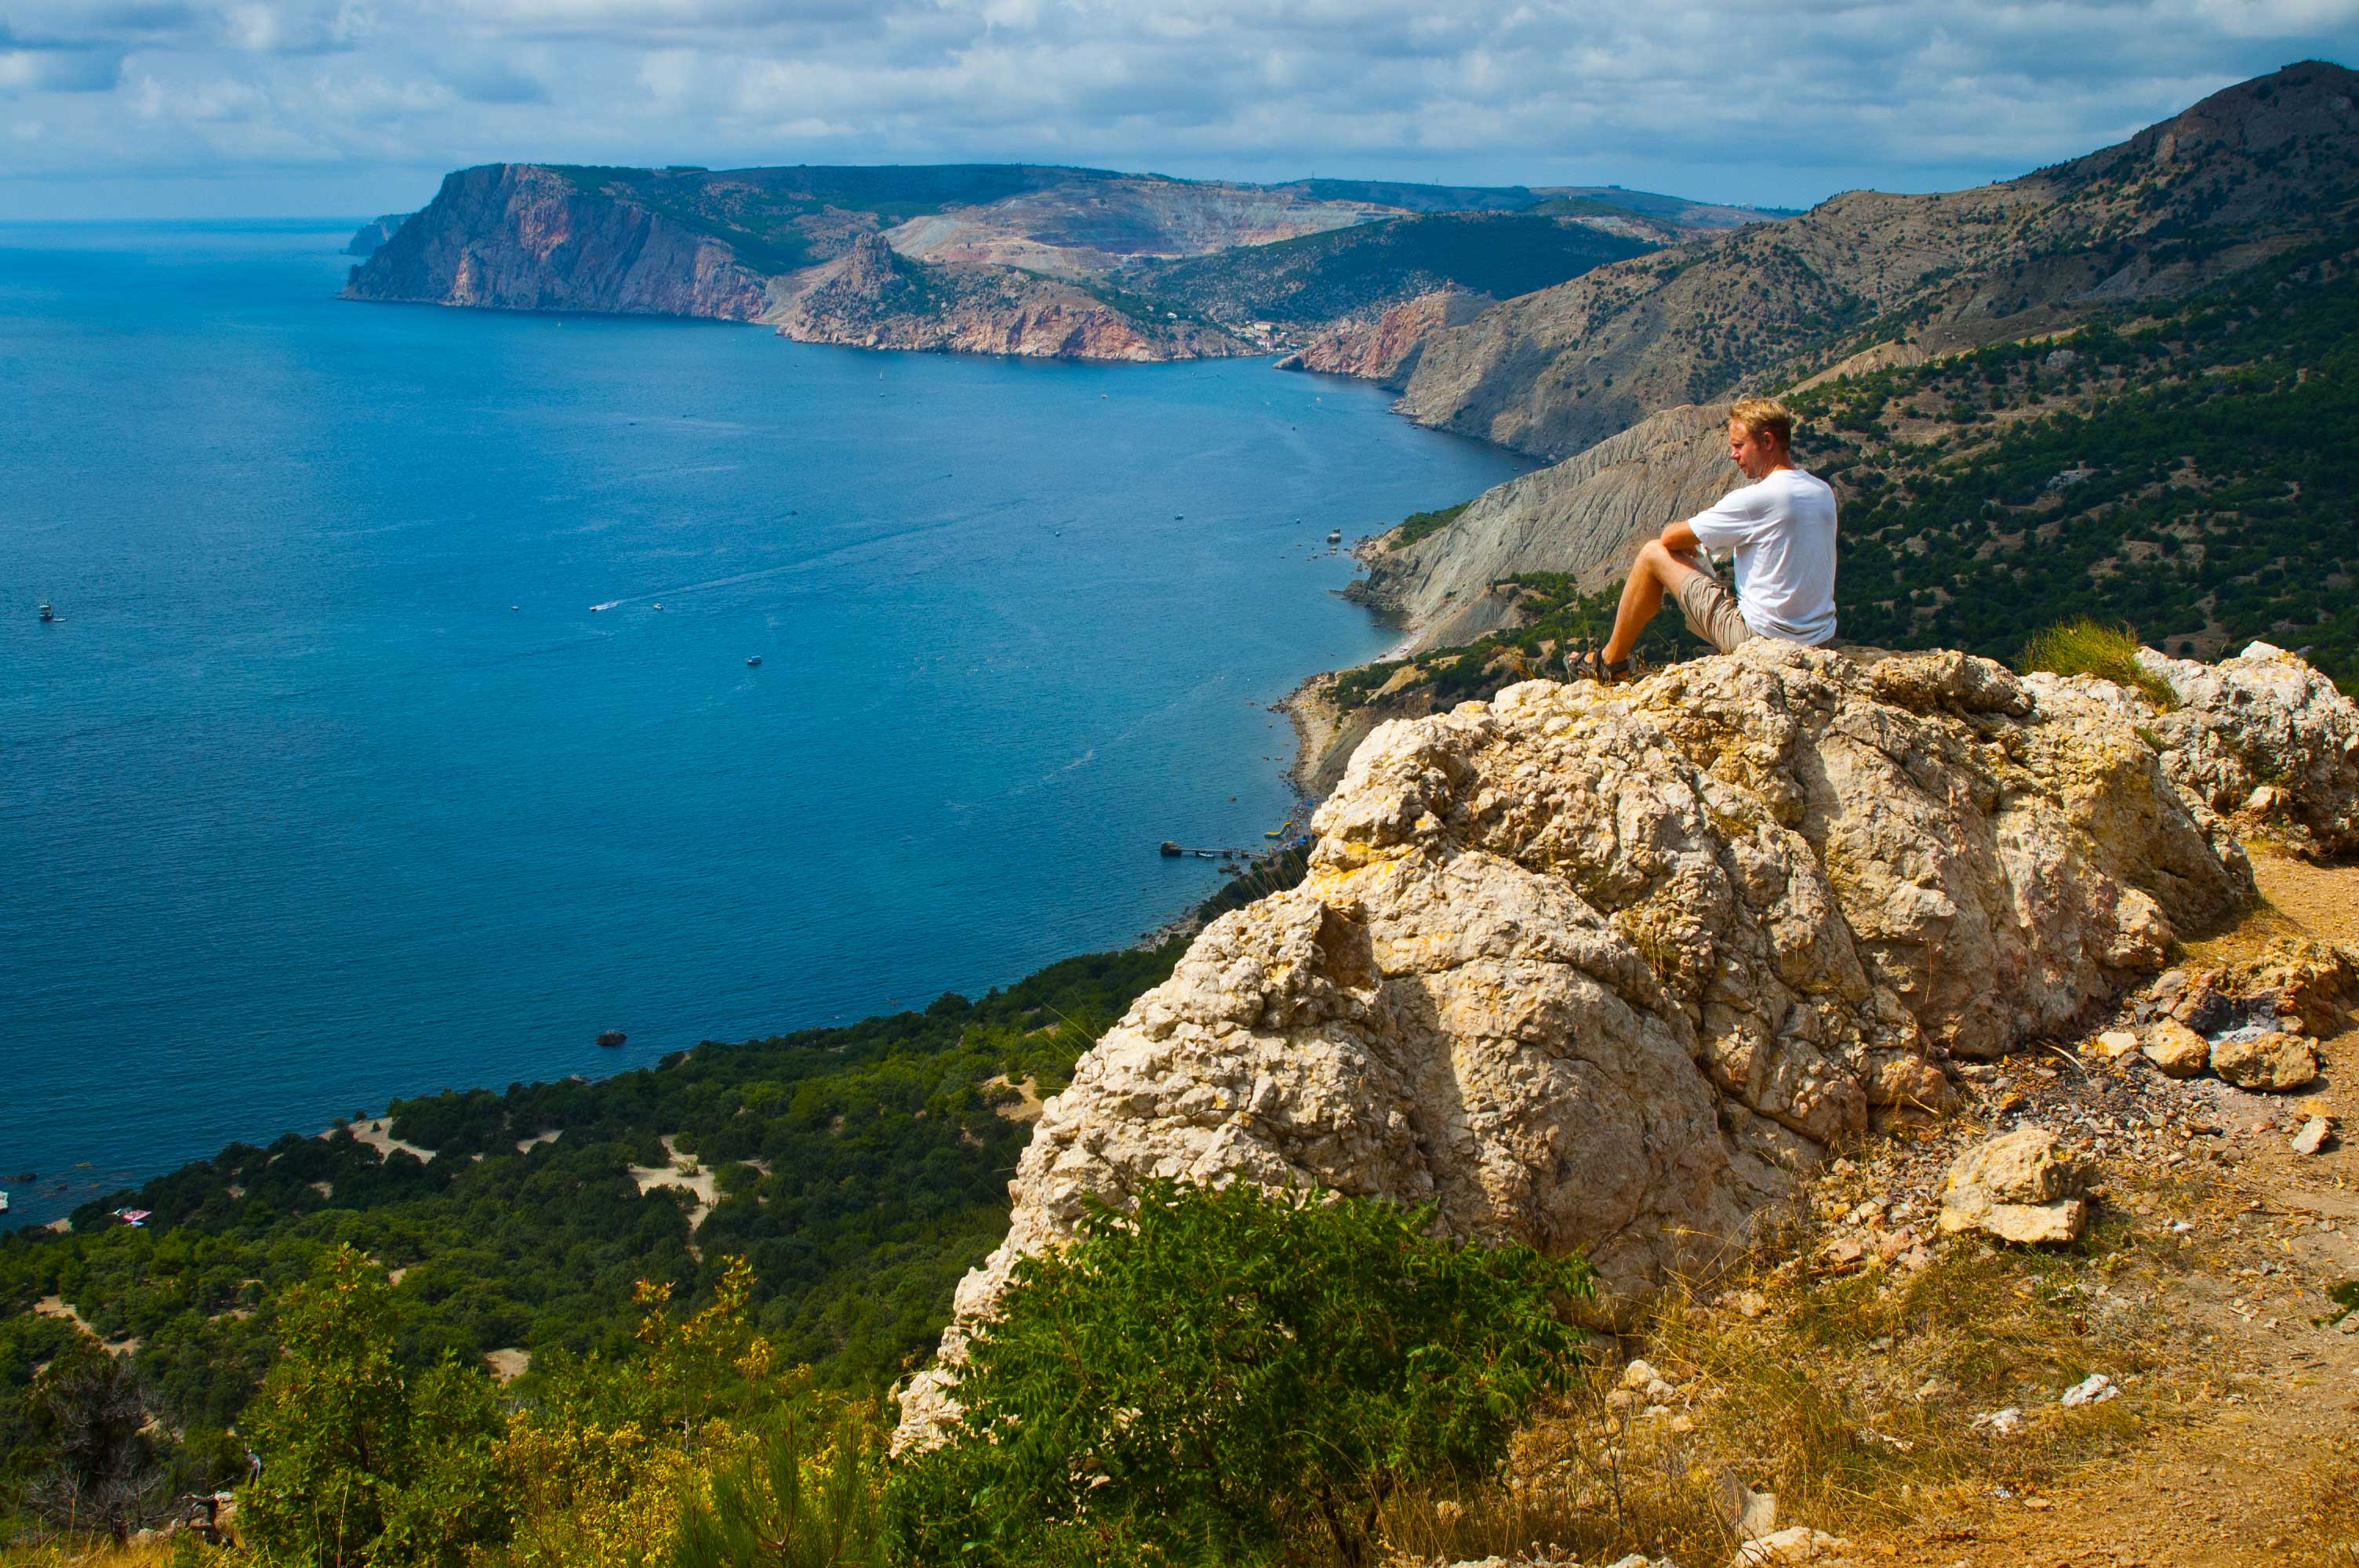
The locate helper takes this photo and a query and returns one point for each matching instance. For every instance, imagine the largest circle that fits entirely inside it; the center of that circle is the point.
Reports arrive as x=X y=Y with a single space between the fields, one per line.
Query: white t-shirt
x=1782 y=530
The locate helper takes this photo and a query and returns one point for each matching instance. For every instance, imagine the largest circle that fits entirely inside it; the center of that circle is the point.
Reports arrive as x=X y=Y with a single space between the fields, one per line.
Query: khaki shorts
x=1711 y=611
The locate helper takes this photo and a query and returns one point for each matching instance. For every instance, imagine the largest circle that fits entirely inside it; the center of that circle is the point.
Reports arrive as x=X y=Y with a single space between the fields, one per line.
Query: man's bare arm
x=1680 y=539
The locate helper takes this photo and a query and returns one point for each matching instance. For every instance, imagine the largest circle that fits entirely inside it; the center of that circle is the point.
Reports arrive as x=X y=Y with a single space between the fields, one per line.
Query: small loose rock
x=2275 y=1062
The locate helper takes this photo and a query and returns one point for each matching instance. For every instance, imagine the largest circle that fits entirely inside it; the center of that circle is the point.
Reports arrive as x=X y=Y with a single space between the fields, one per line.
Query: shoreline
x=1315 y=726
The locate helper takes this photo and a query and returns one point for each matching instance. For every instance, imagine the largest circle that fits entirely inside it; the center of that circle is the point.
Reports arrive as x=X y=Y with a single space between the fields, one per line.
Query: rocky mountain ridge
x=2242 y=176
x=1001 y=258
x=1610 y=970
x=871 y=297
x=1935 y=419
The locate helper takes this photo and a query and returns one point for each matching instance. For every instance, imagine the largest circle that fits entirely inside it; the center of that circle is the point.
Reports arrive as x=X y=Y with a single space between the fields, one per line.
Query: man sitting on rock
x=1781 y=529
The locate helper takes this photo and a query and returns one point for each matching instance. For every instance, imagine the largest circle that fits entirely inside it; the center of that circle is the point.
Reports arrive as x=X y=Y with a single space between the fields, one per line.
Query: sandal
x=1590 y=664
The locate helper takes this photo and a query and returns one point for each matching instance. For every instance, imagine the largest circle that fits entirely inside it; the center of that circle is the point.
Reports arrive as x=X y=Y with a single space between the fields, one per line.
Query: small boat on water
x=3 y=1202
x=1334 y=535
x=48 y=612
x=754 y=663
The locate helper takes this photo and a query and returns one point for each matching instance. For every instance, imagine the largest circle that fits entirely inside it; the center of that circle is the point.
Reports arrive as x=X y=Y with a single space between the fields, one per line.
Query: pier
x=1170 y=849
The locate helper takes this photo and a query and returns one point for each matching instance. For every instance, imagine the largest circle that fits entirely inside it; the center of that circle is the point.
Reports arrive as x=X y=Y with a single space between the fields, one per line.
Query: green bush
x=1233 y=1377
x=1418 y=524
x=2091 y=648
x=364 y=1461
x=804 y=1496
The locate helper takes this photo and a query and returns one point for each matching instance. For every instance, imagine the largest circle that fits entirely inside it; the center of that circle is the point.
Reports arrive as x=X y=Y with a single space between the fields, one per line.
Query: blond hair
x=1765 y=416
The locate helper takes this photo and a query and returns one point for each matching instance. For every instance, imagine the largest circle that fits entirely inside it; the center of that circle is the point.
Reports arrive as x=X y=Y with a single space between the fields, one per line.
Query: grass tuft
x=2093 y=648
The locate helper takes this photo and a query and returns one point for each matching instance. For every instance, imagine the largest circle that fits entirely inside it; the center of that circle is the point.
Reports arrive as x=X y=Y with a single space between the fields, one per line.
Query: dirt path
x=2236 y=1468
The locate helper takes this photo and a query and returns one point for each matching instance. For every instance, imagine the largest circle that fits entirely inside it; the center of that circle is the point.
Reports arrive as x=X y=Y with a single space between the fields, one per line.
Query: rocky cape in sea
x=997 y=258
x=1610 y=970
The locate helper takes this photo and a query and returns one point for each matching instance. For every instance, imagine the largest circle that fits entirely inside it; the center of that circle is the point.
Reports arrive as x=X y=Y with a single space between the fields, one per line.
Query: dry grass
x=100 y=1554
x=1853 y=1397
x=2331 y=1518
x=2093 y=648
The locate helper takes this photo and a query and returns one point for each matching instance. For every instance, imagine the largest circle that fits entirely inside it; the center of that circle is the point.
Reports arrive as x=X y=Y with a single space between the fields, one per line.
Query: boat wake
x=608 y=605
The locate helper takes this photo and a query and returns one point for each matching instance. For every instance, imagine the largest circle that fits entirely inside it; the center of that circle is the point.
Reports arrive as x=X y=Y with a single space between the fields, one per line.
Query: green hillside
x=781 y=219
x=2191 y=472
x=860 y=1172
x=1318 y=278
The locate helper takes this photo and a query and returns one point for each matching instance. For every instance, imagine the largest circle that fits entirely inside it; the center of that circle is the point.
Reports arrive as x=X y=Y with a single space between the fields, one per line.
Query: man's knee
x=1652 y=560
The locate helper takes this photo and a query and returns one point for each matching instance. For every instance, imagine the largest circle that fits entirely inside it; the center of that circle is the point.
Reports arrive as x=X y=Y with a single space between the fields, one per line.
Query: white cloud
x=1722 y=98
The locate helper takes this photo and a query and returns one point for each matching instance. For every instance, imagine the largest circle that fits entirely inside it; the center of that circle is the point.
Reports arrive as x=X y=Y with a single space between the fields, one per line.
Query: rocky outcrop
x=1600 y=969
x=873 y=296
x=371 y=236
x=2273 y=1063
x=2264 y=735
x=521 y=237
x=1586 y=516
x=1386 y=348
x=2262 y=738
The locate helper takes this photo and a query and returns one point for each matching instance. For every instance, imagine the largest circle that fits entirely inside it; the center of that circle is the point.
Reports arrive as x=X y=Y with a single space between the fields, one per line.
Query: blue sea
x=400 y=728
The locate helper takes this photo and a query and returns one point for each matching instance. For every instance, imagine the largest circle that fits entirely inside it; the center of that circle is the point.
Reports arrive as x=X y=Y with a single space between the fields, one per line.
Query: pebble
x=2116 y=1043
x=1641 y=1375
x=2314 y=1135
x=2002 y=1423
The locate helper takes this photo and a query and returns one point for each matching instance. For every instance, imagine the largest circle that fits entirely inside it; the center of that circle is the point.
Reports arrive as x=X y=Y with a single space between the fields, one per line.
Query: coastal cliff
x=874 y=297
x=520 y=237
x=993 y=259
x=1385 y=349
x=371 y=236
x=1609 y=971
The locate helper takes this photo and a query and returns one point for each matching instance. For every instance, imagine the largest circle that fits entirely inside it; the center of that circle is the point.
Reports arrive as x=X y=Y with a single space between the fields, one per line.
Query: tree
x=802 y=1495
x=1237 y=1376
x=363 y=1462
x=90 y=1413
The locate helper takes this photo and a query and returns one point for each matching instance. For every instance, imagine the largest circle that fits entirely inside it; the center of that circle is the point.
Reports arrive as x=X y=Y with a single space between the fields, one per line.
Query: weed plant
x=2086 y=647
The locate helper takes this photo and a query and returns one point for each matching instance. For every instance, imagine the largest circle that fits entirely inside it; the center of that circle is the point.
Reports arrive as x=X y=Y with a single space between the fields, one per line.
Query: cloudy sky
x=245 y=107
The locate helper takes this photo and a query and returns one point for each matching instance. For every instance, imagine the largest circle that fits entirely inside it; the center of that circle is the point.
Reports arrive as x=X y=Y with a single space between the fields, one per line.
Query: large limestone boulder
x=1601 y=968
x=2022 y=1186
x=2264 y=734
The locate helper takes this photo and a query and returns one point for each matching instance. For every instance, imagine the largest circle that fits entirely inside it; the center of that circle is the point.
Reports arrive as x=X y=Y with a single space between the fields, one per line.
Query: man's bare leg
x=1655 y=573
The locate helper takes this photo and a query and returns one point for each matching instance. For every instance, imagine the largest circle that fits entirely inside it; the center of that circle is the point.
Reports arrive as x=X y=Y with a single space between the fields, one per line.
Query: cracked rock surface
x=2266 y=736
x=1603 y=968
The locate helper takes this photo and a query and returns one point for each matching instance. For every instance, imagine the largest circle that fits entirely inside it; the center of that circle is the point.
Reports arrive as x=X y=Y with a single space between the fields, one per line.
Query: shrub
x=91 y=1414
x=364 y=1460
x=1233 y=1377
x=2091 y=648
x=803 y=1496
x=1418 y=524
